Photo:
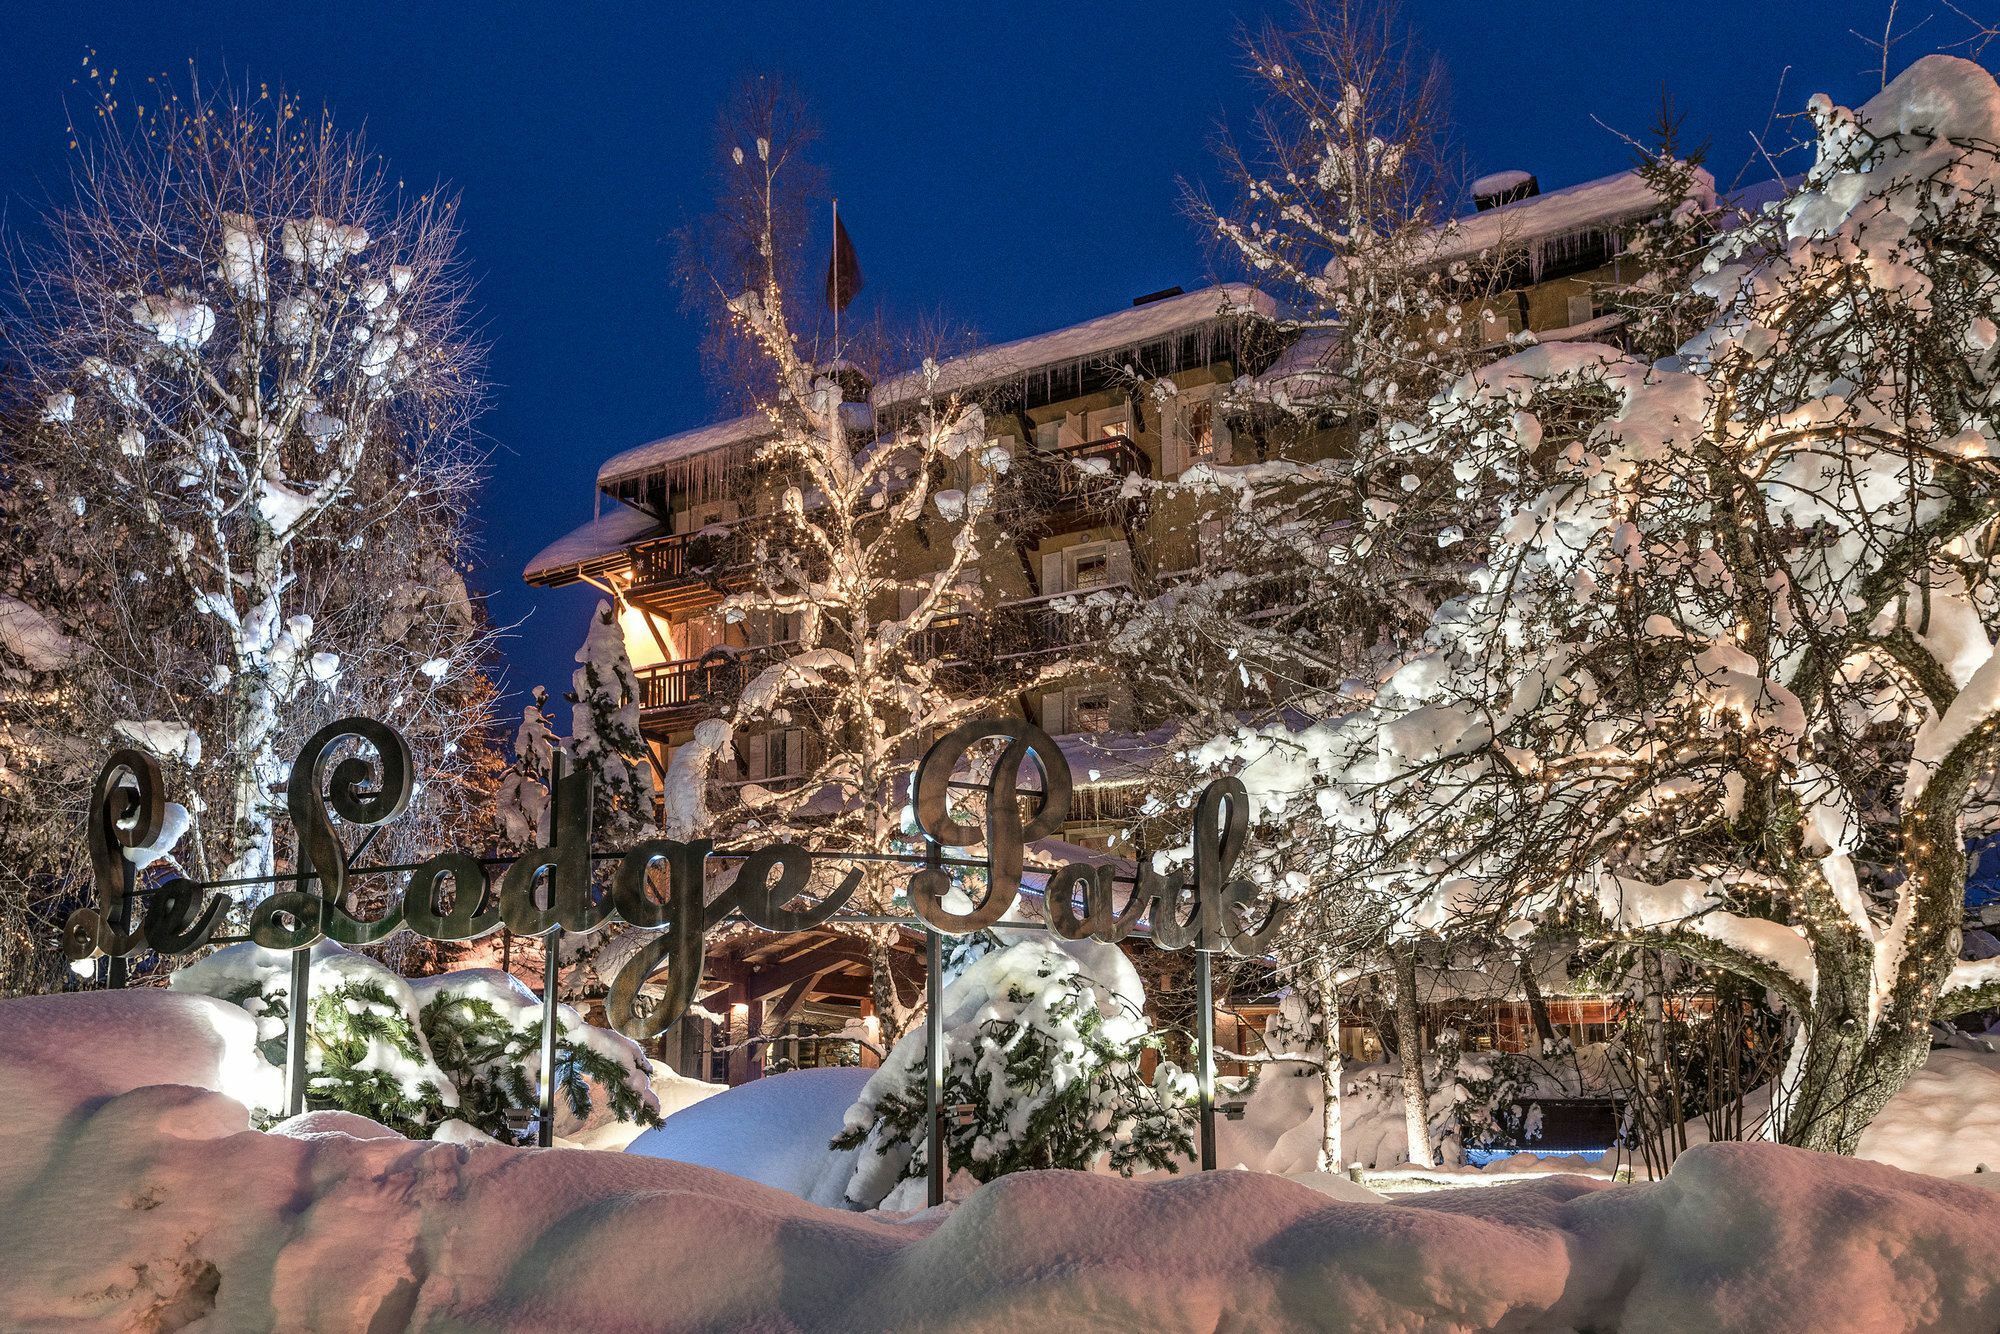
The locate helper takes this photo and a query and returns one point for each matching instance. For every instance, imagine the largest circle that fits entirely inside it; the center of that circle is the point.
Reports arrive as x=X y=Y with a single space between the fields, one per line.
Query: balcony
x=677 y=695
x=1036 y=627
x=1047 y=492
x=688 y=571
x=954 y=644
x=674 y=695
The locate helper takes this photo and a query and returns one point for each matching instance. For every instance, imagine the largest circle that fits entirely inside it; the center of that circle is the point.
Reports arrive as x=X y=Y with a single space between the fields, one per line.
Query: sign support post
x=934 y=1058
x=1204 y=1039
x=298 y=1006
x=545 y=1132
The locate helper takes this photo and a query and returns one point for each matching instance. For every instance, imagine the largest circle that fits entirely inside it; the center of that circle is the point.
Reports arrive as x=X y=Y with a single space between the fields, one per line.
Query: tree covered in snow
x=604 y=732
x=521 y=806
x=1043 y=1041
x=1341 y=199
x=414 y=1054
x=45 y=677
x=251 y=378
x=858 y=687
x=1723 y=682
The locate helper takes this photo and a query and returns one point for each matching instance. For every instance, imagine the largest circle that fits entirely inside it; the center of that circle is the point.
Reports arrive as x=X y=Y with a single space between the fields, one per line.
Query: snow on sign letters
x=1208 y=910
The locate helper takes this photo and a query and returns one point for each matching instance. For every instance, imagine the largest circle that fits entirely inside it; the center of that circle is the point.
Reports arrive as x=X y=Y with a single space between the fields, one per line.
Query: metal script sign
x=1209 y=910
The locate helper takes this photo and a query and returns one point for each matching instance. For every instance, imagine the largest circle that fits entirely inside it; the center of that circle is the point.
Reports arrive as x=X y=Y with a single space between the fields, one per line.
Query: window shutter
x=1120 y=570
x=1052 y=572
x=795 y=752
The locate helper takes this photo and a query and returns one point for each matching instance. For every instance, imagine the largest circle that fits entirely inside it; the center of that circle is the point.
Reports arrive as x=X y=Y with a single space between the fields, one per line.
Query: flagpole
x=835 y=265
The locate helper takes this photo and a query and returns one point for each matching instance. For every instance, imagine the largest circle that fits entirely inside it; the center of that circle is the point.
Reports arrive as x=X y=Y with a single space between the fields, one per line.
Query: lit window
x=1198 y=432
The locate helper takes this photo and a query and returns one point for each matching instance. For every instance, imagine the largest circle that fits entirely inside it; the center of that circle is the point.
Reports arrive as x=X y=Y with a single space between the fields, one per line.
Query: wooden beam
x=785 y=1006
x=767 y=980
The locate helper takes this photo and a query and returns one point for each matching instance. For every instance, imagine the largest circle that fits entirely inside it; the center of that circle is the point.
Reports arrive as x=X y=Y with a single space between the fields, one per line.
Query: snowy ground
x=133 y=1196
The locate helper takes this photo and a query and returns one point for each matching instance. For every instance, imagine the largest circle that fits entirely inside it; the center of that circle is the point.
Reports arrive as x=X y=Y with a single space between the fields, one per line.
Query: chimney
x=1503 y=187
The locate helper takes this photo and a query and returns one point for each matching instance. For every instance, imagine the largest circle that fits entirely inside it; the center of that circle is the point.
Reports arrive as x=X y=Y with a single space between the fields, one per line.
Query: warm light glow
x=643 y=649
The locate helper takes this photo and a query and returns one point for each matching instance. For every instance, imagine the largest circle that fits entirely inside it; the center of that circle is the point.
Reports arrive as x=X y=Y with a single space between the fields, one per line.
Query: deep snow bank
x=1945 y=1121
x=773 y=1131
x=154 y=1207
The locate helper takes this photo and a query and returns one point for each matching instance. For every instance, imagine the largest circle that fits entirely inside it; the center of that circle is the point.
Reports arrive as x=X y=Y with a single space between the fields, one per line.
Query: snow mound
x=124 y=1226
x=130 y=1203
x=1945 y=1121
x=307 y=1125
x=59 y=1054
x=773 y=1131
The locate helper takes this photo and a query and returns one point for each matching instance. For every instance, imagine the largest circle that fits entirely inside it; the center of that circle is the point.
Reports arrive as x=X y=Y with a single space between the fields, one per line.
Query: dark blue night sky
x=1012 y=166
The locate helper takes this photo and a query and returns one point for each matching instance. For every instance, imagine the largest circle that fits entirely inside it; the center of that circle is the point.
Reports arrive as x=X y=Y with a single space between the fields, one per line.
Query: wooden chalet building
x=676 y=519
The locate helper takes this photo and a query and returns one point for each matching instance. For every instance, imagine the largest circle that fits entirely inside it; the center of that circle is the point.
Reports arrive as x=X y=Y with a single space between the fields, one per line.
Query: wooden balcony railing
x=1071 y=486
x=693 y=685
x=699 y=555
x=689 y=689
x=1047 y=624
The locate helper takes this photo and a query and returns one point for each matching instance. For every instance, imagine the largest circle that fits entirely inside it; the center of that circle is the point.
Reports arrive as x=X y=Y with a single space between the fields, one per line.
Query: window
x=698 y=634
x=779 y=754
x=1108 y=421
x=1090 y=569
x=1198 y=432
x=1090 y=710
x=763 y=626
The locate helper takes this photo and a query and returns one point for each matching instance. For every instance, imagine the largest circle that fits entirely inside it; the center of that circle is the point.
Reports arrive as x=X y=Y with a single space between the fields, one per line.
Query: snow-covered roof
x=641 y=459
x=1753 y=199
x=1104 y=336
x=606 y=535
x=1095 y=338
x=1532 y=223
x=1112 y=757
x=1300 y=372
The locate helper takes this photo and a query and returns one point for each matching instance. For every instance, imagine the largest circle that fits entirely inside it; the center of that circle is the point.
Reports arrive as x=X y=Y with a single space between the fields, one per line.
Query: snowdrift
x=126 y=1204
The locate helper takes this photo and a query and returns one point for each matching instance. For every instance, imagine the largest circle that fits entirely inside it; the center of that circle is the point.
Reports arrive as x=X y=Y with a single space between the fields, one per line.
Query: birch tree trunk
x=1538 y=1006
x=1332 y=1156
x=1416 y=1097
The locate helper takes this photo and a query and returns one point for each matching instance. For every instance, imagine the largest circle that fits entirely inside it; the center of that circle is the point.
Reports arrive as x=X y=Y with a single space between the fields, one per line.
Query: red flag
x=843 y=270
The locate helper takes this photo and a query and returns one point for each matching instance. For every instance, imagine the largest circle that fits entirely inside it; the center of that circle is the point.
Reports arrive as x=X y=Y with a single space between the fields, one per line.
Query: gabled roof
x=561 y=561
x=1105 y=336
x=1534 y=223
x=641 y=459
x=1098 y=338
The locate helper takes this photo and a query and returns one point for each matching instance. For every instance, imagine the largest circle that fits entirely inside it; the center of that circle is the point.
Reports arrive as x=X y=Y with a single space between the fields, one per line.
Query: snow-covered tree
x=248 y=353
x=1043 y=1041
x=415 y=1054
x=1342 y=197
x=1724 y=683
x=604 y=732
x=521 y=806
x=860 y=682
x=43 y=673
